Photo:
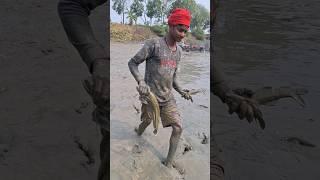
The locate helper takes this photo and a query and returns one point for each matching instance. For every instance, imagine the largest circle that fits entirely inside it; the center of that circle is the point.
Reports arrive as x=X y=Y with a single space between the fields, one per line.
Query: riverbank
x=138 y=33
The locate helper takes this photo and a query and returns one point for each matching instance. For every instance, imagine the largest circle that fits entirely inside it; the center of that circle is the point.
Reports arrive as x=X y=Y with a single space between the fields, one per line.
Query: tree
x=188 y=4
x=131 y=16
x=153 y=9
x=165 y=9
x=144 y=14
x=200 y=17
x=119 y=6
x=136 y=9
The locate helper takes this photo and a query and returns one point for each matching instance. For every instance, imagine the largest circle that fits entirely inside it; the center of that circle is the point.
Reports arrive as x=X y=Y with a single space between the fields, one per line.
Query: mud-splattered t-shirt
x=161 y=67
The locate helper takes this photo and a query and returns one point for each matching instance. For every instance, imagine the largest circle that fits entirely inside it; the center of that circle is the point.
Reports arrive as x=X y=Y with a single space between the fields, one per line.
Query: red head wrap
x=179 y=16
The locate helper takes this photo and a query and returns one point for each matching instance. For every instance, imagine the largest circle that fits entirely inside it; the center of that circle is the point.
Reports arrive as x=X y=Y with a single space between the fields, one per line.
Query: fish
x=300 y=141
x=155 y=114
x=156 y=111
x=269 y=94
x=150 y=98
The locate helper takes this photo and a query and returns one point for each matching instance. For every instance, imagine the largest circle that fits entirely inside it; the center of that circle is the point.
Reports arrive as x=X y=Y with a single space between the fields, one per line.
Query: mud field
x=134 y=157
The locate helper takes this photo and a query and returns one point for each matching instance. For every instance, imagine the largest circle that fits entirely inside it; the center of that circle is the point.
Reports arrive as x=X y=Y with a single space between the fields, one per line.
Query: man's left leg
x=171 y=117
x=174 y=141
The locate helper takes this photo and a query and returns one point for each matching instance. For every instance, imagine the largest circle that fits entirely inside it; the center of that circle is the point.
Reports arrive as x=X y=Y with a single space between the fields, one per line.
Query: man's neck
x=170 y=42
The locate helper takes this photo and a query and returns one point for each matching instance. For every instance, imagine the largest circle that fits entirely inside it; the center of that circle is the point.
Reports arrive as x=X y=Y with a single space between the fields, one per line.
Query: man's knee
x=177 y=129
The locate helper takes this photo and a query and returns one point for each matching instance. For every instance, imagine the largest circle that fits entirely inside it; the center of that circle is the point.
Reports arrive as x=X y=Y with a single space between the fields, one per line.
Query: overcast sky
x=118 y=18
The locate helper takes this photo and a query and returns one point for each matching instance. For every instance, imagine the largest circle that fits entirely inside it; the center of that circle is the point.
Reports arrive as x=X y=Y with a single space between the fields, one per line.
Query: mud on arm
x=220 y=85
x=175 y=83
x=74 y=17
x=142 y=55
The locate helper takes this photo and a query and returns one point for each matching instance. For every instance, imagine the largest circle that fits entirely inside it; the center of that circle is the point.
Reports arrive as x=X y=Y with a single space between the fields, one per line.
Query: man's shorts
x=168 y=113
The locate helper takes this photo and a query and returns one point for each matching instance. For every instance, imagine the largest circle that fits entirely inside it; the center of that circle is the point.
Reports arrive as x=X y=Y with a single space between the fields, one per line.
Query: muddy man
x=74 y=17
x=162 y=56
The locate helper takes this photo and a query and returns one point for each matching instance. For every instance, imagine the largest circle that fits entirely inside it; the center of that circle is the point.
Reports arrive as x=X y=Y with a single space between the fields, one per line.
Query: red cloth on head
x=180 y=16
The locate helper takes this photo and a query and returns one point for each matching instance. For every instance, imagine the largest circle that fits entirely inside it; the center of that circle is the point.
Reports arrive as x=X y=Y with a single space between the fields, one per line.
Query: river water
x=270 y=43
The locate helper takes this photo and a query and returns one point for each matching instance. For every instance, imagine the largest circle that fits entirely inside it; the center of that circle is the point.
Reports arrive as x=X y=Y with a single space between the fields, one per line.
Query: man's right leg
x=145 y=118
x=101 y=116
x=104 y=168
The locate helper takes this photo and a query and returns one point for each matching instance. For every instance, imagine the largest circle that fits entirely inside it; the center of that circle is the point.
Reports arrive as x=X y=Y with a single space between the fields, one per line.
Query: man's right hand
x=143 y=88
x=100 y=76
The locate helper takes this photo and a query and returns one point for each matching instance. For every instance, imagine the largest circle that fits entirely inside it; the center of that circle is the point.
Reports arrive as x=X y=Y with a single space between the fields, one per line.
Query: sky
x=118 y=18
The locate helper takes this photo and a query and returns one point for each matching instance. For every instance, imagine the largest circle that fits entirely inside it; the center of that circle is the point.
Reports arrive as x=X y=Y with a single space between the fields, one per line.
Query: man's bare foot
x=136 y=129
x=175 y=165
x=168 y=164
x=178 y=167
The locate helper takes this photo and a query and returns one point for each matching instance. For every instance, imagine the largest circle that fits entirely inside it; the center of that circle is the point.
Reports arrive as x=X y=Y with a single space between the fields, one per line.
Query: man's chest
x=166 y=59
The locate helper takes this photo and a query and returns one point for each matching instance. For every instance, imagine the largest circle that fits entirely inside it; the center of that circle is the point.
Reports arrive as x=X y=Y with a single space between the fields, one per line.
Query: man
x=74 y=17
x=162 y=56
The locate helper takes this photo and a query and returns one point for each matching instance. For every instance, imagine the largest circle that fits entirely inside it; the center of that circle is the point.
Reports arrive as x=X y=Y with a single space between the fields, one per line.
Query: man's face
x=178 y=32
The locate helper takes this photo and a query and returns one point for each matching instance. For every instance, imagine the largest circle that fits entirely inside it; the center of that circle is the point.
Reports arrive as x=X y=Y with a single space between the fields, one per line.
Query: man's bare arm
x=142 y=55
x=74 y=17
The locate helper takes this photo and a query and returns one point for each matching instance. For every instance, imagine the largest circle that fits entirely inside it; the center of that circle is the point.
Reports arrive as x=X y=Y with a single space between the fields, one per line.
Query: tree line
x=156 y=12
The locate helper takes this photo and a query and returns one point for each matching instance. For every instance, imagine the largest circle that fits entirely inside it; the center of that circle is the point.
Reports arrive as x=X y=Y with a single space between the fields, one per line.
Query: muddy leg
x=145 y=118
x=174 y=140
x=104 y=168
x=143 y=125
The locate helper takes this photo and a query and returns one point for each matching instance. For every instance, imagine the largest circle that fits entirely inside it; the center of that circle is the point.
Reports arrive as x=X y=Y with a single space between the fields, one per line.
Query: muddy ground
x=41 y=95
x=134 y=157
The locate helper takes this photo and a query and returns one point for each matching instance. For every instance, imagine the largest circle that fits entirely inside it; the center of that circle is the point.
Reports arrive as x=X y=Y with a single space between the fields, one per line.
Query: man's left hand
x=185 y=94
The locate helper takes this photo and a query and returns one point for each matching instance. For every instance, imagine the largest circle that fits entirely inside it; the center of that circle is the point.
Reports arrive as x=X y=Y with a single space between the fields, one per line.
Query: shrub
x=159 y=30
x=198 y=34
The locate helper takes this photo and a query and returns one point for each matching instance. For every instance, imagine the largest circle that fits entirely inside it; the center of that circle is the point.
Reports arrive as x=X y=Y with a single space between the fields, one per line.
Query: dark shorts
x=169 y=114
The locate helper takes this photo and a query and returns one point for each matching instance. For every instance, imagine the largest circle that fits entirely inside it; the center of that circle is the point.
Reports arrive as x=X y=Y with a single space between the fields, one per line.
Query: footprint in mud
x=4 y=149
x=46 y=51
x=136 y=149
x=175 y=166
x=299 y=141
x=205 y=139
x=83 y=106
x=3 y=89
x=187 y=148
x=86 y=149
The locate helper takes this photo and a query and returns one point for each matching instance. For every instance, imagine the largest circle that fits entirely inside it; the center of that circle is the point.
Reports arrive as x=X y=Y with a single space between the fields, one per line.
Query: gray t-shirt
x=161 y=67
